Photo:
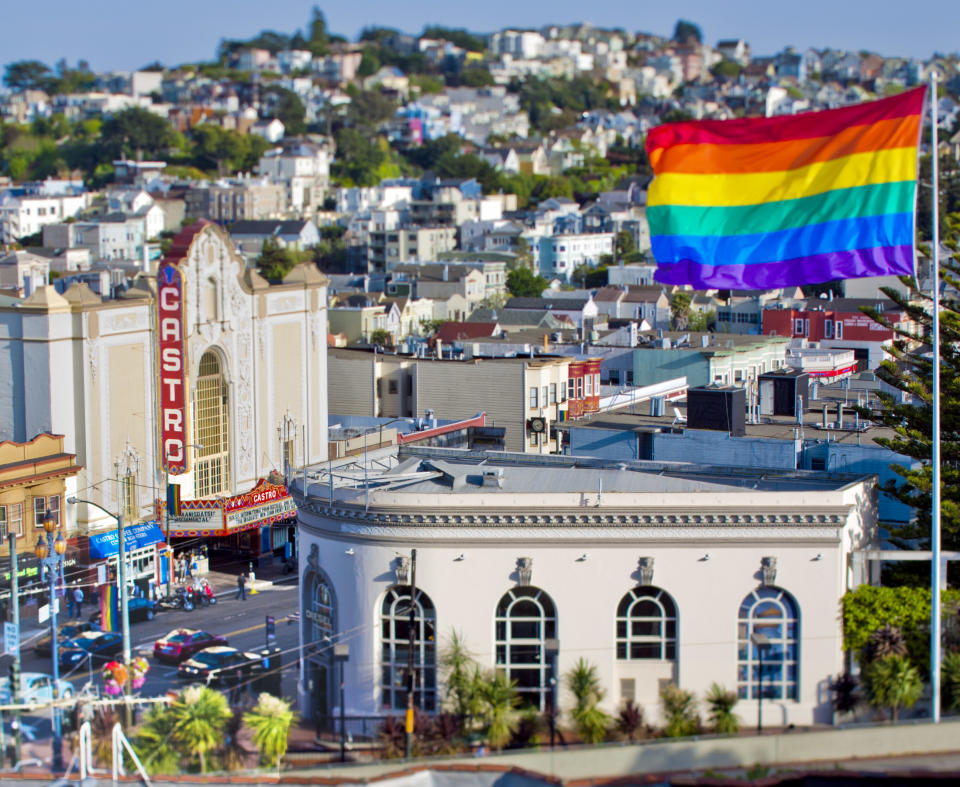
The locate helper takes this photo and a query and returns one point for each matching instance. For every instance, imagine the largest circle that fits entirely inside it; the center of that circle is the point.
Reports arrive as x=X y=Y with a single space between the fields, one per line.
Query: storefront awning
x=107 y=544
x=263 y=505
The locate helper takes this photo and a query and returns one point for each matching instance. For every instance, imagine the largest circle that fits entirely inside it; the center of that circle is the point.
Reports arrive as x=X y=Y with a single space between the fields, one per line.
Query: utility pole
x=124 y=612
x=411 y=642
x=15 y=666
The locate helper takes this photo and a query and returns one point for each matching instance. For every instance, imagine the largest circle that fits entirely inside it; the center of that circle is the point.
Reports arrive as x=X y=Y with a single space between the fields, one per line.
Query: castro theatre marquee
x=207 y=376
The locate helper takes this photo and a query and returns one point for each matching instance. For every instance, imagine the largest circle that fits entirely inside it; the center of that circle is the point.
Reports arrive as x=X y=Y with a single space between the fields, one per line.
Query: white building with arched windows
x=651 y=572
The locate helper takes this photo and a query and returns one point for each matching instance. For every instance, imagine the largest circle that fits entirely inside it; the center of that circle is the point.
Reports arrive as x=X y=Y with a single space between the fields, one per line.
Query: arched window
x=526 y=617
x=211 y=428
x=770 y=613
x=395 y=641
x=647 y=625
x=320 y=613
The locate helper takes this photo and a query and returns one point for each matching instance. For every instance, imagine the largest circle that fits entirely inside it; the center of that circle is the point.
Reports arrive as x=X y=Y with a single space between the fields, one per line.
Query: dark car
x=140 y=609
x=181 y=644
x=219 y=665
x=101 y=645
x=66 y=632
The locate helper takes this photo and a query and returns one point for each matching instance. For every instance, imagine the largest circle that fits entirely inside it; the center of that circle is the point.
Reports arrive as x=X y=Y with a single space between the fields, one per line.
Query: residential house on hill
x=249 y=236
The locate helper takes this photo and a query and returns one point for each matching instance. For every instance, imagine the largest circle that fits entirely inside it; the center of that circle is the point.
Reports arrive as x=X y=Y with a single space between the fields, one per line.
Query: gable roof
x=454 y=331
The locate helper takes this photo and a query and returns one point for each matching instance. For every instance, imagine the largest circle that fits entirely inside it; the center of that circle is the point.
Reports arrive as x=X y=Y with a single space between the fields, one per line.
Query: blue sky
x=126 y=34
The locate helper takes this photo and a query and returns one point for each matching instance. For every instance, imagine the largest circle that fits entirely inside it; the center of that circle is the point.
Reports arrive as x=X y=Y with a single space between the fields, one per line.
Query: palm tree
x=893 y=682
x=590 y=721
x=200 y=715
x=460 y=671
x=271 y=719
x=721 y=704
x=499 y=698
x=679 y=708
x=154 y=743
x=884 y=642
x=630 y=721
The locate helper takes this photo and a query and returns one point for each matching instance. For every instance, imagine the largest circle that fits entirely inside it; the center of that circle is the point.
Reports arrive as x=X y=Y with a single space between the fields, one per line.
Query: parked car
x=140 y=609
x=101 y=645
x=67 y=632
x=181 y=644
x=219 y=664
x=35 y=687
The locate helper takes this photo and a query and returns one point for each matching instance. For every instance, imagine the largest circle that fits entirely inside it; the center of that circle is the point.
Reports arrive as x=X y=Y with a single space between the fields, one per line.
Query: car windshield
x=212 y=659
x=178 y=637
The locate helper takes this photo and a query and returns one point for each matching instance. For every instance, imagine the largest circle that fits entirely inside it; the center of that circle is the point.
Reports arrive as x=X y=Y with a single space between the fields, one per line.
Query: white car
x=35 y=687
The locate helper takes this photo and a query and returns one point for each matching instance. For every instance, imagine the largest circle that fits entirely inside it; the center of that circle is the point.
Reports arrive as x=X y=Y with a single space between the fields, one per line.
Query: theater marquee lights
x=173 y=374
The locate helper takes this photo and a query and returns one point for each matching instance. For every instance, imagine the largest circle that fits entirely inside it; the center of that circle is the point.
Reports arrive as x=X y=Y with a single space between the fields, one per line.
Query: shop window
x=395 y=641
x=647 y=625
x=773 y=613
x=211 y=429
x=525 y=619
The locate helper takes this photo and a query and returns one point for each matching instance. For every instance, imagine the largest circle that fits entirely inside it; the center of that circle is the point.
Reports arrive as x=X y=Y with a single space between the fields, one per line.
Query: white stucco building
x=252 y=370
x=651 y=572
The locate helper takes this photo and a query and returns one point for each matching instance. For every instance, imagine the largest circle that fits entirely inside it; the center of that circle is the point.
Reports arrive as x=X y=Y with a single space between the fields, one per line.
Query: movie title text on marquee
x=173 y=382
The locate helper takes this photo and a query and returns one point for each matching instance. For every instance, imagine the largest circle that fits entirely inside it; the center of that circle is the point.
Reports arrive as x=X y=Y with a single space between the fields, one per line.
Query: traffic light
x=15 y=680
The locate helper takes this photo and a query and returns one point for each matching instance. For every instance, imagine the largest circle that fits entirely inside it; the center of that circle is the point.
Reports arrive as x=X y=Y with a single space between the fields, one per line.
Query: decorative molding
x=401 y=569
x=313 y=559
x=645 y=565
x=136 y=319
x=524 y=571
x=284 y=304
x=768 y=568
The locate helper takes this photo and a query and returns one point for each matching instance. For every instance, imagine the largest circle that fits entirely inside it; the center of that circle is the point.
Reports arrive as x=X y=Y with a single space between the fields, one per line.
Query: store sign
x=265 y=504
x=173 y=375
x=145 y=534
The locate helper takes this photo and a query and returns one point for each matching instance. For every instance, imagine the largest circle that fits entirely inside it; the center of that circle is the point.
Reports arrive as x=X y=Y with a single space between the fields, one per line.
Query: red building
x=839 y=323
x=583 y=387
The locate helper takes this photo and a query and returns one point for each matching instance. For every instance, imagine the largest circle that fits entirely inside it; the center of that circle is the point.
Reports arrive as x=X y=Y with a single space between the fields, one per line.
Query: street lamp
x=341 y=655
x=124 y=594
x=50 y=554
x=761 y=642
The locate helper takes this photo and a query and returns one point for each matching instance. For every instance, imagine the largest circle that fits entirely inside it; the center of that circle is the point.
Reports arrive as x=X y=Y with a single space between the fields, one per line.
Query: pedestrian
x=70 y=604
x=242 y=586
x=78 y=600
x=194 y=568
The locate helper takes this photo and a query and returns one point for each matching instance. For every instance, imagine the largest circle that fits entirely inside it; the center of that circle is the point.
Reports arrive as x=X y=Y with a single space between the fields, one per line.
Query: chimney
x=439 y=349
x=446 y=272
x=825 y=416
x=840 y=415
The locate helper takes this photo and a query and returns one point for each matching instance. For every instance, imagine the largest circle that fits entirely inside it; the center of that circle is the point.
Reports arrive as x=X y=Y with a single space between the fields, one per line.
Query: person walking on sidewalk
x=78 y=600
x=242 y=586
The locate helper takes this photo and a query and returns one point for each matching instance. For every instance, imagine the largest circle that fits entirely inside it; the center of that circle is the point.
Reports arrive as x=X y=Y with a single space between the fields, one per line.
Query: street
x=242 y=622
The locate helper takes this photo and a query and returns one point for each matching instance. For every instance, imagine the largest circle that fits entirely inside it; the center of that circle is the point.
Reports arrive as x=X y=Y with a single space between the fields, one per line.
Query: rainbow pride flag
x=109 y=605
x=773 y=202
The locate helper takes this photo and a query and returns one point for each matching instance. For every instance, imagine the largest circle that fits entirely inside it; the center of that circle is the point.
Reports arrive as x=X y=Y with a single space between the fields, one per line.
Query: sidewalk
x=265 y=577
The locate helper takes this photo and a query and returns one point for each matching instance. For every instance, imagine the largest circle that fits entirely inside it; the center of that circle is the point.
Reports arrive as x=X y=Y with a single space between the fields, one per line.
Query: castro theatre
x=206 y=376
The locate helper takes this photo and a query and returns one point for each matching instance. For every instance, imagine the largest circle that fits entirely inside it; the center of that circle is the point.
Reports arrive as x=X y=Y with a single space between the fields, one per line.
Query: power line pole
x=411 y=642
x=15 y=666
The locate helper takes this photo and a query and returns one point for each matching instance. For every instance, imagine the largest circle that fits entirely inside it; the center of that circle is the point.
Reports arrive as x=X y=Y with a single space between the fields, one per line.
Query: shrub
x=894 y=683
x=630 y=721
x=680 y=710
x=950 y=680
x=721 y=704
x=845 y=697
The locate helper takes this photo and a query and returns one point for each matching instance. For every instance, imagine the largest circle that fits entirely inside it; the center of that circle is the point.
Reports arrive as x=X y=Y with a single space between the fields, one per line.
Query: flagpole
x=936 y=567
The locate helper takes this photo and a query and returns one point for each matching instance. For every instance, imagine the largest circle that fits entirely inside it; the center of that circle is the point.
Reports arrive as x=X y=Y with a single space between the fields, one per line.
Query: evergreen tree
x=910 y=371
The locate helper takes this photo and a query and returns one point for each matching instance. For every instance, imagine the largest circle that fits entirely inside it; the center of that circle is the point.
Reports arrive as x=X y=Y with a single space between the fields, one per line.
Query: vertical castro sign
x=173 y=379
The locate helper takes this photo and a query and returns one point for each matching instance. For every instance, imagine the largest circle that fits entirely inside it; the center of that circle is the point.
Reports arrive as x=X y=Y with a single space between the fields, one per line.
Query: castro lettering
x=173 y=400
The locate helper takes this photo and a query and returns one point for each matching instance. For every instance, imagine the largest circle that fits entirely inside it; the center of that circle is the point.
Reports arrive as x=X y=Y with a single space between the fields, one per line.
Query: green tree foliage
x=676 y=116
x=275 y=261
x=136 y=130
x=893 y=683
x=381 y=337
x=624 y=244
x=369 y=108
x=26 y=75
x=949 y=193
x=524 y=283
x=592 y=276
x=869 y=608
x=289 y=109
x=554 y=103
x=457 y=36
x=950 y=680
x=475 y=76
x=498 y=703
x=359 y=158
x=270 y=720
x=680 y=310
x=680 y=711
x=589 y=720
x=155 y=742
x=369 y=62
x=318 y=41
x=727 y=70
x=225 y=150
x=910 y=370
x=460 y=673
x=685 y=30
x=200 y=715
x=721 y=704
